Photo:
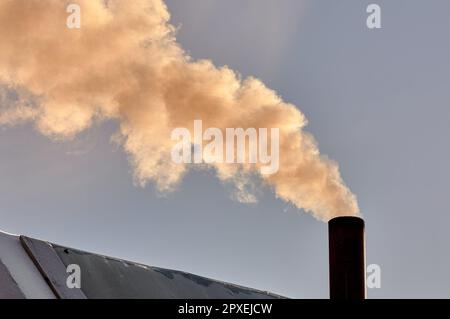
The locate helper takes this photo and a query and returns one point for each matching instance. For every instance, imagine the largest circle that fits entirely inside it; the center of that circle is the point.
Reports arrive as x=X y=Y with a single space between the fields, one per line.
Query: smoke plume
x=124 y=64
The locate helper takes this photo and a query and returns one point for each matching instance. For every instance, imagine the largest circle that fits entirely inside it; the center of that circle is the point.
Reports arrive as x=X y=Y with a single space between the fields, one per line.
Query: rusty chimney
x=347 y=258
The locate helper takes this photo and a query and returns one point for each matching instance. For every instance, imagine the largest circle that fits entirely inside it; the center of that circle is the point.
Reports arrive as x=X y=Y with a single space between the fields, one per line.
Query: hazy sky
x=377 y=102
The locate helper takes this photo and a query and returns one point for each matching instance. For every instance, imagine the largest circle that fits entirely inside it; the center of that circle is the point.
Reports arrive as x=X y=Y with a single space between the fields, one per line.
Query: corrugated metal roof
x=21 y=269
x=51 y=267
x=103 y=277
x=9 y=288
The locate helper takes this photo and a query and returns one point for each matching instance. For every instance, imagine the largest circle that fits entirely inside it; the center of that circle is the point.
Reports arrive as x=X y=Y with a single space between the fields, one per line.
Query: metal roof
x=32 y=268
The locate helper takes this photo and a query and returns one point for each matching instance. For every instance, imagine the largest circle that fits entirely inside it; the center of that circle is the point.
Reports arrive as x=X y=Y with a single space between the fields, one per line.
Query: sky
x=377 y=102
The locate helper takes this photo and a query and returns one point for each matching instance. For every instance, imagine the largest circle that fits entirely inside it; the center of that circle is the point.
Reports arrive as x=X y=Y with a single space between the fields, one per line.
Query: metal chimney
x=347 y=258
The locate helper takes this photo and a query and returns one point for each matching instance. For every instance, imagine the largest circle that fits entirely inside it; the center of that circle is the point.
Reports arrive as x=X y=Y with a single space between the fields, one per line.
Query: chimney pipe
x=347 y=258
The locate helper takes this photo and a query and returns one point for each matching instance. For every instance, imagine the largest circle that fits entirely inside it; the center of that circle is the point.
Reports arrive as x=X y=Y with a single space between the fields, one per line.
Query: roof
x=32 y=268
